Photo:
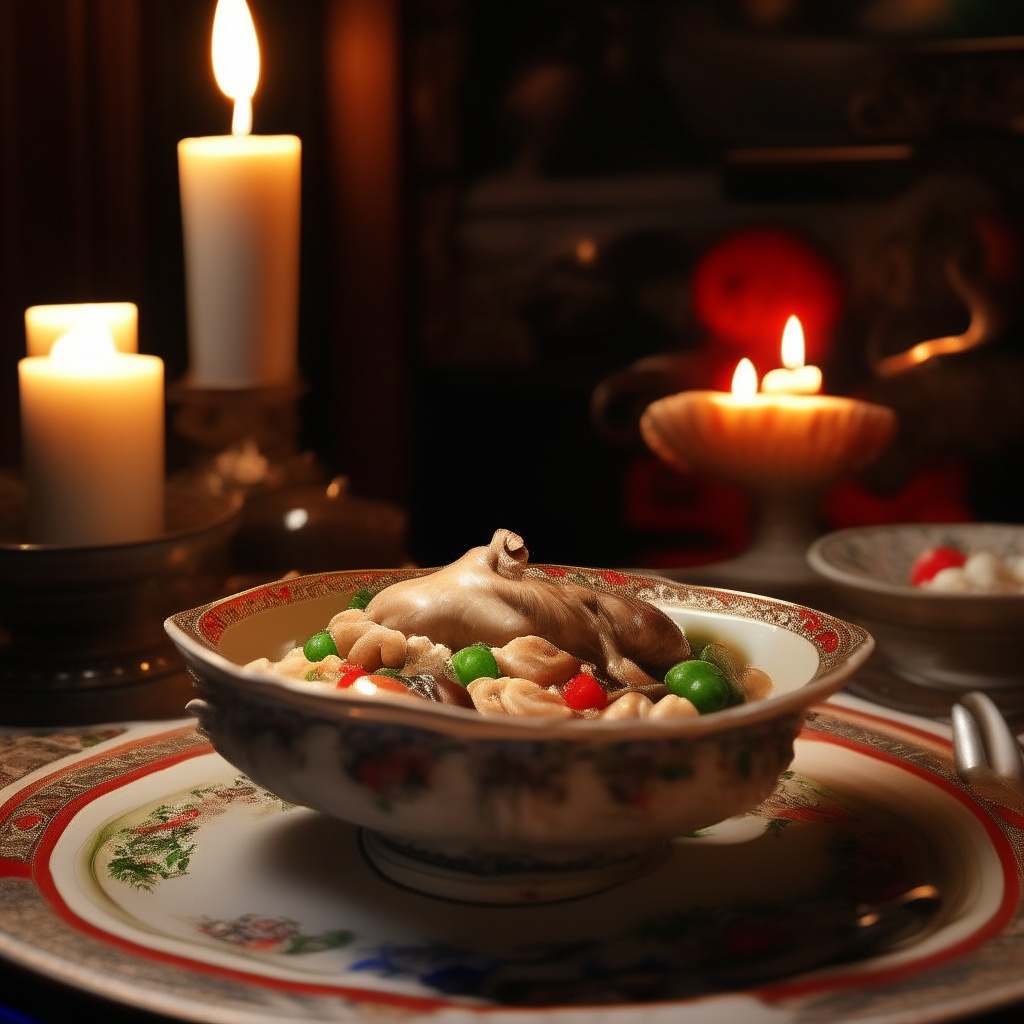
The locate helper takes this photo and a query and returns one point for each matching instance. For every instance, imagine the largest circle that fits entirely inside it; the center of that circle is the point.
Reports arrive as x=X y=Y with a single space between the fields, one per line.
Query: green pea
x=701 y=683
x=722 y=658
x=312 y=676
x=318 y=646
x=474 y=662
x=360 y=599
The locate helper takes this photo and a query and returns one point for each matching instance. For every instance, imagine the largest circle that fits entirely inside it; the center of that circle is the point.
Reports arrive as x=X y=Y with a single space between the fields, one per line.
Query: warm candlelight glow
x=795 y=379
x=744 y=380
x=240 y=213
x=92 y=431
x=89 y=348
x=793 y=344
x=45 y=324
x=236 y=59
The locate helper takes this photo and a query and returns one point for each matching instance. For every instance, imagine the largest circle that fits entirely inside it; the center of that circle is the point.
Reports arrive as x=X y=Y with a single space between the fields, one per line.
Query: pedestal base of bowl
x=949 y=658
x=490 y=878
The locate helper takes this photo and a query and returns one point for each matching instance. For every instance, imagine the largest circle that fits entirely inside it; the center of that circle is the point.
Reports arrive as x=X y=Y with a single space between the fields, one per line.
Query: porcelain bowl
x=953 y=641
x=450 y=779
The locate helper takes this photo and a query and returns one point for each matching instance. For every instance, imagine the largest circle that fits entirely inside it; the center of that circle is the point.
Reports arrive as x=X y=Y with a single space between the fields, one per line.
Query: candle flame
x=744 y=380
x=793 y=344
x=89 y=346
x=236 y=59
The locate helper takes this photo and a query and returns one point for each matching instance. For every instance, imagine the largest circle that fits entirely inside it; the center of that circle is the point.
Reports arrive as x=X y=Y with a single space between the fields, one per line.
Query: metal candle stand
x=81 y=628
x=75 y=621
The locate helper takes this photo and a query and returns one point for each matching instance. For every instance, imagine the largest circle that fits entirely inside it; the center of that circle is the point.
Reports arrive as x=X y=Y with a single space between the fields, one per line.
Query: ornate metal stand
x=84 y=619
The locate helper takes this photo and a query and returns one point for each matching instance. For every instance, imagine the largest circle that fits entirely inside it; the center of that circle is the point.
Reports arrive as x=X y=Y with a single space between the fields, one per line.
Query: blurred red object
x=748 y=284
x=700 y=519
x=934 y=495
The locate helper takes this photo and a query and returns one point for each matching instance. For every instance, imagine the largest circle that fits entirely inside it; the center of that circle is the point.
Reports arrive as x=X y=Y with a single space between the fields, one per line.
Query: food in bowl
x=507 y=806
x=480 y=634
x=949 y=638
x=951 y=570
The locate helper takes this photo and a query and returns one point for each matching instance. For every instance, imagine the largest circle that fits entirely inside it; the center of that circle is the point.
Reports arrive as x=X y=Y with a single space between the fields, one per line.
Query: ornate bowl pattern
x=449 y=780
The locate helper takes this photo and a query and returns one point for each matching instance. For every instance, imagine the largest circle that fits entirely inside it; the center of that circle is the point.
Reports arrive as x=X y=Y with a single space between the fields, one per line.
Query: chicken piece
x=379 y=646
x=486 y=597
x=629 y=705
x=533 y=657
x=347 y=627
x=673 y=706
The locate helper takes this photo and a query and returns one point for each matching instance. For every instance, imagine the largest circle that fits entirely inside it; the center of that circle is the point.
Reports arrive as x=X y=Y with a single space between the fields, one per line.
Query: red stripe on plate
x=994 y=925
x=771 y=993
x=43 y=879
x=33 y=787
x=11 y=868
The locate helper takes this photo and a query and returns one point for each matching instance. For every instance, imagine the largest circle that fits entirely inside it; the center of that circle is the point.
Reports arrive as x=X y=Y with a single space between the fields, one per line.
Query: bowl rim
x=842 y=648
x=818 y=561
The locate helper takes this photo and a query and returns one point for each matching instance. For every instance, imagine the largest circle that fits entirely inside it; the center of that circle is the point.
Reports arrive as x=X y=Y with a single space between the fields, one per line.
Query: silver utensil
x=986 y=753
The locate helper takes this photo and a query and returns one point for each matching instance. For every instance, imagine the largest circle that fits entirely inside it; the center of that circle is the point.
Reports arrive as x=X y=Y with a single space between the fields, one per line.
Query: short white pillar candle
x=45 y=324
x=92 y=422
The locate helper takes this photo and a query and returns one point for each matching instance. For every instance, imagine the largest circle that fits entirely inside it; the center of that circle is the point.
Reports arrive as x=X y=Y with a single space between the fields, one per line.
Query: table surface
x=47 y=1002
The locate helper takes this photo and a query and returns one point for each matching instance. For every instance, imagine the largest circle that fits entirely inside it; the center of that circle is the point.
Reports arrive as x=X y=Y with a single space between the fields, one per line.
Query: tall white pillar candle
x=240 y=201
x=92 y=422
x=240 y=204
x=45 y=324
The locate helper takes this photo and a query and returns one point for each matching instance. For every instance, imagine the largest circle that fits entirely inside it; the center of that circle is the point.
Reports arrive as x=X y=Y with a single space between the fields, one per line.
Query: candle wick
x=241 y=122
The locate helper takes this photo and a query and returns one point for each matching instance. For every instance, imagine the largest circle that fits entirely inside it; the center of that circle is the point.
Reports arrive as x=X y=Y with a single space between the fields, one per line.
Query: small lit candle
x=240 y=204
x=92 y=422
x=744 y=381
x=795 y=379
x=767 y=440
x=45 y=324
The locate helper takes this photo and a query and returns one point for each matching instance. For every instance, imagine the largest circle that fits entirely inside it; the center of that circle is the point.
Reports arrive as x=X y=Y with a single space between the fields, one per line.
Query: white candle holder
x=784 y=449
x=78 y=620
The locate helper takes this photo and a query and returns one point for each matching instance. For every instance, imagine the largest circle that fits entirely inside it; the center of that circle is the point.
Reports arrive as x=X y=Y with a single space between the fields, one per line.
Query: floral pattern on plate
x=332 y=940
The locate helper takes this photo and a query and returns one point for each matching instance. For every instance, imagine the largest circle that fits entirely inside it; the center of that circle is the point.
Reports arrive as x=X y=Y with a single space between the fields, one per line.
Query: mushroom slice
x=379 y=646
x=630 y=705
x=486 y=695
x=525 y=697
x=347 y=627
x=533 y=657
x=673 y=706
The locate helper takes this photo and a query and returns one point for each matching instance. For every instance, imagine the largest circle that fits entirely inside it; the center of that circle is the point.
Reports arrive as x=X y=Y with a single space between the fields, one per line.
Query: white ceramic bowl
x=955 y=641
x=450 y=780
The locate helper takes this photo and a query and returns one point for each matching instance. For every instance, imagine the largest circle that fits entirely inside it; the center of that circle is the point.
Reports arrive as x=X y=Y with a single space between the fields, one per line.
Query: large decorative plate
x=145 y=869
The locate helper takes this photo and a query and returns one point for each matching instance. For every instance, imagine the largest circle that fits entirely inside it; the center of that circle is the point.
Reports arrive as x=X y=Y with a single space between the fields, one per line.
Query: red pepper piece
x=349 y=675
x=584 y=693
x=389 y=685
x=929 y=563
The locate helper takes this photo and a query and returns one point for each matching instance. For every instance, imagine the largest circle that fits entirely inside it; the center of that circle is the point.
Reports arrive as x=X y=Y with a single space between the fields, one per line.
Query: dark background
x=456 y=153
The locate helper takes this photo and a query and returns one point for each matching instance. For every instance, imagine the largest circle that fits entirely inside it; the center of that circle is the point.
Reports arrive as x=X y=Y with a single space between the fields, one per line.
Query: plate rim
x=37 y=870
